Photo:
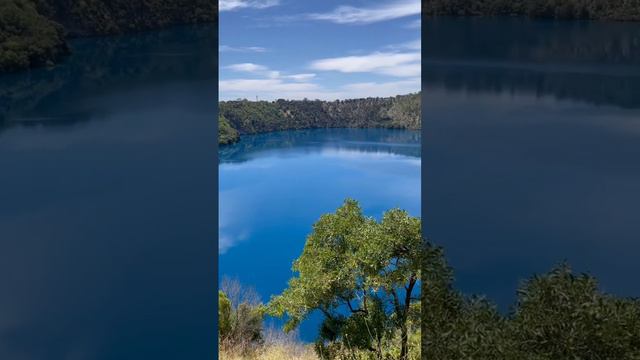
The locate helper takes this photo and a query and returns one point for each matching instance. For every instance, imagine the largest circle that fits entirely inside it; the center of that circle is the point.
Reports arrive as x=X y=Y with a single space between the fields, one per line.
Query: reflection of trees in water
x=392 y=141
x=591 y=87
x=520 y=39
x=597 y=62
x=103 y=66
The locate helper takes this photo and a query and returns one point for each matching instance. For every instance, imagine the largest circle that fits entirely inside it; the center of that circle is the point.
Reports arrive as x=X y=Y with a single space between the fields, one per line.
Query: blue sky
x=330 y=49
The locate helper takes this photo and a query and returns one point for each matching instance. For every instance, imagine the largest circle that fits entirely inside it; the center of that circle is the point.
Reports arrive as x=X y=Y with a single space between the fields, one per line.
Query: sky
x=328 y=50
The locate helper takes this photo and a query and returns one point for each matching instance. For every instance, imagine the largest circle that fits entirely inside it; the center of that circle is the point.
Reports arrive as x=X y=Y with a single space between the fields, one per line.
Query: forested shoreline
x=35 y=32
x=618 y=10
x=244 y=117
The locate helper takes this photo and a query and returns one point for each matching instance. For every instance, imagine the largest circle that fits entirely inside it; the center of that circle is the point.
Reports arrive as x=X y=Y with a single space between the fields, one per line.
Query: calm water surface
x=274 y=186
x=107 y=201
x=532 y=143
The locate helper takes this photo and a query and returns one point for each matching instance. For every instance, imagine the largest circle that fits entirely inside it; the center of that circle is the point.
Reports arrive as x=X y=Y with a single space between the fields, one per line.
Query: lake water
x=108 y=201
x=532 y=150
x=274 y=186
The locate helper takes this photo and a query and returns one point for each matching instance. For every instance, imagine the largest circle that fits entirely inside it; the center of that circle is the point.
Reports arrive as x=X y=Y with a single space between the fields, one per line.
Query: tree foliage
x=33 y=32
x=363 y=275
x=558 y=315
x=251 y=117
x=627 y=10
x=26 y=37
x=226 y=134
x=240 y=317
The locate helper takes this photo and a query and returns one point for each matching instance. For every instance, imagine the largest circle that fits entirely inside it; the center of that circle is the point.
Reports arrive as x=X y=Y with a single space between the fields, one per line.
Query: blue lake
x=274 y=186
x=108 y=201
x=532 y=150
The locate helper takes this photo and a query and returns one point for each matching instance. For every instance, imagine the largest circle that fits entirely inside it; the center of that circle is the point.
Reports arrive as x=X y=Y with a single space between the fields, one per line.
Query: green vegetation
x=32 y=32
x=102 y=17
x=241 y=334
x=251 y=117
x=226 y=133
x=363 y=275
x=26 y=37
x=240 y=317
x=559 y=315
x=624 y=10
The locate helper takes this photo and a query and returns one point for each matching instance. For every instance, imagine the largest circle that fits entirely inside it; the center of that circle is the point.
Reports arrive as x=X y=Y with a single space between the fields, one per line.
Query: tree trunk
x=404 y=339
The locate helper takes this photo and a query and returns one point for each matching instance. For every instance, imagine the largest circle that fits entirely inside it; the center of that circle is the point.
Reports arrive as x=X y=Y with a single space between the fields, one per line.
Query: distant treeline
x=623 y=10
x=34 y=32
x=250 y=117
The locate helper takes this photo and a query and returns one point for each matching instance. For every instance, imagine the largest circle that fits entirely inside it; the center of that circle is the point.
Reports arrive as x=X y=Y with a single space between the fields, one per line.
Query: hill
x=251 y=117
x=35 y=32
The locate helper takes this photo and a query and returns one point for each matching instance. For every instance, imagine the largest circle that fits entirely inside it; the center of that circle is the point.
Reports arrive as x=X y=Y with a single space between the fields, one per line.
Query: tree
x=362 y=274
x=240 y=316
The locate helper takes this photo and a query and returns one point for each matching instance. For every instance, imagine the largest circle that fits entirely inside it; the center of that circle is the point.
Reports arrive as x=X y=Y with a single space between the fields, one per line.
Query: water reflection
x=108 y=199
x=532 y=141
x=64 y=95
x=274 y=186
x=399 y=142
x=594 y=62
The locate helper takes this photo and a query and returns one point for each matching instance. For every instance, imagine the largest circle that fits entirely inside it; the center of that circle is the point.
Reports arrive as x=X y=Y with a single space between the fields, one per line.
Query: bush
x=558 y=315
x=240 y=318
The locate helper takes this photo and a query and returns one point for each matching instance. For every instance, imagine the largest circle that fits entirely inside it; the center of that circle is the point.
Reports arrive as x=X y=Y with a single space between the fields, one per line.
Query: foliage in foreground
x=352 y=265
x=559 y=315
x=240 y=319
x=364 y=276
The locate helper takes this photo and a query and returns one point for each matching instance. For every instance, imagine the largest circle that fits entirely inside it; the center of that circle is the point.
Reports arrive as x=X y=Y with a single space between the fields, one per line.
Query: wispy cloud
x=409 y=45
x=365 y=15
x=301 y=77
x=261 y=86
x=386 y=63
x=266 y=72
x=415 y=24
x=271 y=89
x=247 y=67
x=401 y=61
x=230 y=5
x=242 y=49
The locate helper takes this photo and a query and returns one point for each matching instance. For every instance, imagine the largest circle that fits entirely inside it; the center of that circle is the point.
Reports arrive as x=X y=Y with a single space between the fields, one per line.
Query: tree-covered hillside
x=623 y=10
x=33 y=32
x=251 y=117
x=26 y=37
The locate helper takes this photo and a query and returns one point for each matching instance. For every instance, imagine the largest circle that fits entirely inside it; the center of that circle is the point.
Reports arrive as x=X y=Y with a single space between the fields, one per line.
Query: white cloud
x=272 y=89
x=247 y=67
x=409 y=45
x=383 y=89
x=268 y=73
x=260 y=86
x=387 y=63
x=267 y=84
x=229 y=5
x=416 y=24
x=244 y=49
x=362 y=15
x=301 y=77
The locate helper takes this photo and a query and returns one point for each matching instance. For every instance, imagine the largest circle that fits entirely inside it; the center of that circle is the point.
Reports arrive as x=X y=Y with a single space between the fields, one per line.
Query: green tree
x=362 y=274
x=558 y=315
x=240 y=316
x=564 y=316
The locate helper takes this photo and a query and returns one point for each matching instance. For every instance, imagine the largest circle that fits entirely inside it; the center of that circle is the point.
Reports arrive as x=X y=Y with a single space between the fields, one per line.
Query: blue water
x=532 y=150
x=108 y=201
x=274 y=186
